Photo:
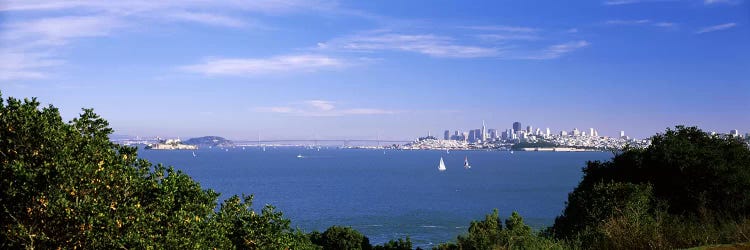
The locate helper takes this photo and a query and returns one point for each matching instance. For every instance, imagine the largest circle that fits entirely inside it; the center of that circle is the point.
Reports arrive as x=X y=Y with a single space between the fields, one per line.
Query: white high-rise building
x=591 y=131
x=484 y=132
x=734 y=133
x=548 y=133
x=563 y=133
x=622 y=134
x=529 y=129
x=576 y=132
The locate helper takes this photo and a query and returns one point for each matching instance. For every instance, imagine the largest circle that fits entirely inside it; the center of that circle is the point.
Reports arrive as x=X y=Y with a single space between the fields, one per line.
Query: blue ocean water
x=389 y=194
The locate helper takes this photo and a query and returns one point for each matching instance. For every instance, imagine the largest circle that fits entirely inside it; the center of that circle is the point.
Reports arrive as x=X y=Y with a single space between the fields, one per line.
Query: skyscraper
x=447 y=135
x=529 y=129
x=591 y=132
x=548 y=133
x=517 y=126
x=484 y=132
x=734 y=133
x=622 y=134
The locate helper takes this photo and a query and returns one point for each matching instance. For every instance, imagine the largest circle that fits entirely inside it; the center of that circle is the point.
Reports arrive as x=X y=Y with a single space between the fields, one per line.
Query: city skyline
x=387 y=69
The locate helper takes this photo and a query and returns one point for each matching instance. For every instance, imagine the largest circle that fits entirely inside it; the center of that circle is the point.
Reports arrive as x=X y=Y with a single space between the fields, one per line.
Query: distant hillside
x=214 y=141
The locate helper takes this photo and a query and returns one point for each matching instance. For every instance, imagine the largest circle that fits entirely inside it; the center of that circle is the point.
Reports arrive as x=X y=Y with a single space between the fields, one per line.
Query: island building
x=171 y=144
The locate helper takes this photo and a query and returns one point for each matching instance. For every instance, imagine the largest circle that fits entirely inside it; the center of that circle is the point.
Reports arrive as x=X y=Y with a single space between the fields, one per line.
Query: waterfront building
x=734 y=133
x=492 y=133
x=484 y=132
x=517 y=127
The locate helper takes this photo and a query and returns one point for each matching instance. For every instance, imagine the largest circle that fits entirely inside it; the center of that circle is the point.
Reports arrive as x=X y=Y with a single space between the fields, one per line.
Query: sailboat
x=466 y=163
x=441 y=167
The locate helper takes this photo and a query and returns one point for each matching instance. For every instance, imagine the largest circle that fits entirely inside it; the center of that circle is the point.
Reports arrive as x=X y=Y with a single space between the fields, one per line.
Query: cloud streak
x=321 y=108
x=426 y=44
x=636 y=22
x=558 y=50
x=256 y=66
x=719 y=27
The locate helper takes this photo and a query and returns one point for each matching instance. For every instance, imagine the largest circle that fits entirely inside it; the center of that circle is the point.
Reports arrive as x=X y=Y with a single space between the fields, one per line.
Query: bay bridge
x=344 y=142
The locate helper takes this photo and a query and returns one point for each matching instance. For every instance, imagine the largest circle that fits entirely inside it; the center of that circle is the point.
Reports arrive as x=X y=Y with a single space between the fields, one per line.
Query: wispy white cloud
x=624 y=2
x=321 y=108
x=732 y=2
x=136 y=6
x=558 y=50
x=255 y=66
x=59 y=30
x=664 y=24
x=24 y=65
x=31 y=46
x=504 y=28
x=506 y=37
x=621 y=2
x=208 y=18
x=716 y=28
x=427 y=44
x=628 y=22
x=635 y=22
x=38 y=34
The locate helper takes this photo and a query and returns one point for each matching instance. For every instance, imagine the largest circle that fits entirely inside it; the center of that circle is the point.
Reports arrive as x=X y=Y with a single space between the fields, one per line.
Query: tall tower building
x=447 y=135
x=622 y=134
x=517 y=126
x=591 y=132
x=484 y=132
x=548 y=133
x=529 y=129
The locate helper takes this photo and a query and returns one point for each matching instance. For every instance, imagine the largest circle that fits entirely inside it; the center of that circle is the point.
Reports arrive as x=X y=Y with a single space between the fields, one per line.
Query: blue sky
x=397 y=69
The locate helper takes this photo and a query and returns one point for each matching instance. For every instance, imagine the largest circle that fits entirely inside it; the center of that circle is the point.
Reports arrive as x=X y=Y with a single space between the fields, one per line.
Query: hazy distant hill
x=214 y=141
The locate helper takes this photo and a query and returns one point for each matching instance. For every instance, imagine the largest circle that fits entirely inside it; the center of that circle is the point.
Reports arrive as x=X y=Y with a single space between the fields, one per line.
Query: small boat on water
x=194 y=154
x=300 y=156
x=466 y=163
x=441 y=166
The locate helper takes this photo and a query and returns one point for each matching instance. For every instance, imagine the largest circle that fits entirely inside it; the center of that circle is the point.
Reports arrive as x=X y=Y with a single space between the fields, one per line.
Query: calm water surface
x=392 y=194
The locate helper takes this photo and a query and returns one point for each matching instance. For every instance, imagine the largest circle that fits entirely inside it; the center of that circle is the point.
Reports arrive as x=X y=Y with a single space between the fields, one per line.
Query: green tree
x=65 y=185
x=340 y=238
x=686 y=179
x=400 y=244
x=490 y=234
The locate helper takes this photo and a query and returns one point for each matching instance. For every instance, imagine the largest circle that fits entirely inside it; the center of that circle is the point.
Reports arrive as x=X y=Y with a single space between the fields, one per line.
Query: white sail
x=466 y=163
x=441 y=167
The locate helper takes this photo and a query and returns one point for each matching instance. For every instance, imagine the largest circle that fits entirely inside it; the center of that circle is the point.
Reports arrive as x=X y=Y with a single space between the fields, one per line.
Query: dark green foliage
x=538 y=144
x=337 y=237
x=649 y=198
x=400 y=244
x=65 y=185
x=489 y=234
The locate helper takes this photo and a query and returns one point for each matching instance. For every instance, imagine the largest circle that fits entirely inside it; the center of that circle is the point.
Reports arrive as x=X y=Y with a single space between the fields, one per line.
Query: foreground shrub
x=65 y=185
x=490 y=234
x=688 y=188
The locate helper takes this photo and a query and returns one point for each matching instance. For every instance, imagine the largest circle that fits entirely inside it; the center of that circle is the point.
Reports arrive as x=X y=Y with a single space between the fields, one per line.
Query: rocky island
x=210 y=141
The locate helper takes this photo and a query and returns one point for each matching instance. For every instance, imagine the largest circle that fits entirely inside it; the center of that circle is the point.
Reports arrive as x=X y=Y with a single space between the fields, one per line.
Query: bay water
x=387 y=194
